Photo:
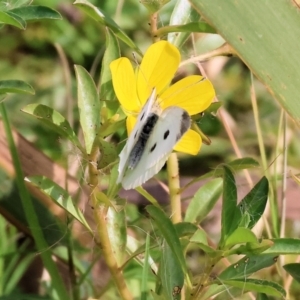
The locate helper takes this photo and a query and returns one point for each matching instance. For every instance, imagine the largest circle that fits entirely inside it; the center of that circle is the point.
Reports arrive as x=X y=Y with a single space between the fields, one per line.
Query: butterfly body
x=151 y=141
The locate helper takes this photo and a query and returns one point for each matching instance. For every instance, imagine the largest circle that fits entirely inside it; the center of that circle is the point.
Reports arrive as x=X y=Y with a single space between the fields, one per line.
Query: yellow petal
x=190 y=143
x=130 y=122
x=124 y=83
x=157 y=69
x=190 y=93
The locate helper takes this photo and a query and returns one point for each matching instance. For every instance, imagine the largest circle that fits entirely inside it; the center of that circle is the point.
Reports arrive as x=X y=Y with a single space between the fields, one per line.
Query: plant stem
x=100 y=212
x=153 y=25
x=174 y=187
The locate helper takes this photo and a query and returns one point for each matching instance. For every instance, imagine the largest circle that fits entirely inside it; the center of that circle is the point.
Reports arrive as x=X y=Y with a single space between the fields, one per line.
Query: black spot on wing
x=142 y=117
x=166 y=134
x=184 y=125
x=135 y=134
x=152 y=148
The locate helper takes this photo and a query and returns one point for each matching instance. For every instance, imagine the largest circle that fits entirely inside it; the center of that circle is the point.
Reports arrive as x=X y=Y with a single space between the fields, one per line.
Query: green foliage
x=150 y=255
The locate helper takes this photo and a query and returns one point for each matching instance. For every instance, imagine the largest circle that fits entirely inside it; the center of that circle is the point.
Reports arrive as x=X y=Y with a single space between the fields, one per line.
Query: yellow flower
x=157 y=69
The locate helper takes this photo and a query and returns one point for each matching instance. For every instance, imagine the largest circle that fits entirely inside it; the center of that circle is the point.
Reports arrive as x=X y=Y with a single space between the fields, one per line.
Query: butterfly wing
x=172 y=124
x=134 y=135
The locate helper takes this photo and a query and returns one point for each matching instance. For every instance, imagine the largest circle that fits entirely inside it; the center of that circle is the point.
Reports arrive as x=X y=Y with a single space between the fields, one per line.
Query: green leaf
x=146 y=267
x=262 y=296
x=247 y=266
x=58 y=195
x=239 y=236
x=256 y=285
x=251 y=248
x=168 y=231
x=260 y=39
x=284 y=246
x=294 y=270
x=230 y=214
x=54 y=120
x=171 y=274
x=111 y=53
x=36 y=12
x=255 y=202
x=15 y=86
x=108 y=155
x=185 y=229
x=182 y=13
x=12 y=19
x=236 y=165
x=203 y=201
x=116 y=228
x=99 y=16
x=89 y=107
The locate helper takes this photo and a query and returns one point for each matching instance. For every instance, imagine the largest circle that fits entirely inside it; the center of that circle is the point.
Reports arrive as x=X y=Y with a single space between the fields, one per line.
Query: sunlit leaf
x=54 y=120
x=89 y=107
x=284 y=246
x=203 y=201
x=59 y=195
x=12 y=19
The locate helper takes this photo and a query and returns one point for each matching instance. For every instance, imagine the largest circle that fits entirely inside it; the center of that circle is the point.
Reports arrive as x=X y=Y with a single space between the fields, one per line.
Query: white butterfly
x=151 y=141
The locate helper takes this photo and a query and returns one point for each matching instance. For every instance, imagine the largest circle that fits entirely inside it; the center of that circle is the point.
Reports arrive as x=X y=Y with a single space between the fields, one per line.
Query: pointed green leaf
x=15 y=86
x=171 y=274
x=256 y=285
x=255 y=202
x=203 y=201
x=12 y=19
x=231 y=215
x=260 y=39
x=99 y=16
x=54 y=120
x=284 y=246
x=294 y=270
x=59 y=195
x=184 y=229
x=168 y=231
x=89 y=107
x=247 y=266
x=111 y=53
x=36 y=12
x=239 y=236
x=251 y=248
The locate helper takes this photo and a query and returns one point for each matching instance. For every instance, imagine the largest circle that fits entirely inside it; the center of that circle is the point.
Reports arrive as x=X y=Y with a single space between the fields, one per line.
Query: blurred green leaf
x=12 y=19
x=59 y=195
x=108 y=155
x=89 y=107
x=15 y=86
x=231 y=215
x=99 y=16
x=251 y=248
x=284 y=246
x=54 y=120
x=116 y=228
x=171 y=274
x=35 y=12
x=255 y=201
x=294 y=270
x=256 y=285
x=203 y=201
x=247 y=266
x=111 y=53
x=168 y=231
x=239 y=236
x=182 y=13
x=260 y=39
x=185 y=229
